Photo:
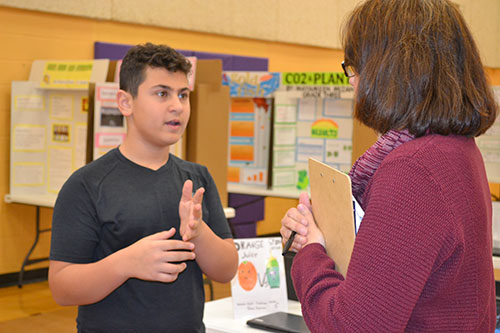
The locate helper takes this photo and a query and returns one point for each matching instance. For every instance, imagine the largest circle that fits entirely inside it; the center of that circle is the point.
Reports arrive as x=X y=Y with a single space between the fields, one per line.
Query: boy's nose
x=176 y=105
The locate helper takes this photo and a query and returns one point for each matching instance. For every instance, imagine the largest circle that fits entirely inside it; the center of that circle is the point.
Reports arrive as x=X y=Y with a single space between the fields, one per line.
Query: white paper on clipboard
x=332 y=205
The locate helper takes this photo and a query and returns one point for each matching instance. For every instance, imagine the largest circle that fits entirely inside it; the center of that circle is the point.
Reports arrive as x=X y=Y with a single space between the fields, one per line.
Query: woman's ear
x=124 y=100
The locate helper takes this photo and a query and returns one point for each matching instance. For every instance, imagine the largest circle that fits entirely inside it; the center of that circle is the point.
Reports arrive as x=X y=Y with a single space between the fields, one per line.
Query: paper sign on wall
x=259 y=287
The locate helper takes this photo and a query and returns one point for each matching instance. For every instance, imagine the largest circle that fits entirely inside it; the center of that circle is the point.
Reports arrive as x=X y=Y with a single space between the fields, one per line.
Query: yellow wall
x=26 y=36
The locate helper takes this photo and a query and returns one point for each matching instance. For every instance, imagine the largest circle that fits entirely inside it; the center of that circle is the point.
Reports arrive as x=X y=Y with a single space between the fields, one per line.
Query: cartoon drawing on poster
x=259 y=286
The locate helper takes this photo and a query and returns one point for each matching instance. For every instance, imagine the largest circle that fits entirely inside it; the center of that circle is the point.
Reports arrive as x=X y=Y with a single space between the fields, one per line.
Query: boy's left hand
x=190 y=211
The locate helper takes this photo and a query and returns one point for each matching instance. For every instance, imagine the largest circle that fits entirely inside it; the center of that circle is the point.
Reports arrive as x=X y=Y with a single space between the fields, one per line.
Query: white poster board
x=49 y=126
x=489 y=145
x=48 y=137
x=259 y=286
x=250 y=125
x=313 y=118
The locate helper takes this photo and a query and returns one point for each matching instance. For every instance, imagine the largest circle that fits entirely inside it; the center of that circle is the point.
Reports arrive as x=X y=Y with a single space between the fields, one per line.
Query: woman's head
x=417 y=67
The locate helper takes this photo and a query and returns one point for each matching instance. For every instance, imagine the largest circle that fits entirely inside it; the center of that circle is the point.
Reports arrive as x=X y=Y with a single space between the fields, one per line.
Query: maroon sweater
x=422 y=260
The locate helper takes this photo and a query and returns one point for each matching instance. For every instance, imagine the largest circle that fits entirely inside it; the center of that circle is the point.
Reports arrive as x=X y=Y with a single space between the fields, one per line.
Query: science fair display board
x=49 y=124
x=250 y=120
x=489 y=145
x=309 y=115
x=313 y=118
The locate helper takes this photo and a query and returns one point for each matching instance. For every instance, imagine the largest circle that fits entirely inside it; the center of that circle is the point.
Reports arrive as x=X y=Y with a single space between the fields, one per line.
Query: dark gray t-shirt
x=111 y=203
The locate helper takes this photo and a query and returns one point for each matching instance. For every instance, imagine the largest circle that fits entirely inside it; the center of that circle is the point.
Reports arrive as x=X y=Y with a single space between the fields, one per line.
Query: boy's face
x=160 y=111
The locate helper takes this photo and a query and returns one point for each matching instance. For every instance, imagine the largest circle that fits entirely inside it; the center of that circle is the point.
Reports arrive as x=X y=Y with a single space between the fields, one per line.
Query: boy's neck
x=149 y=157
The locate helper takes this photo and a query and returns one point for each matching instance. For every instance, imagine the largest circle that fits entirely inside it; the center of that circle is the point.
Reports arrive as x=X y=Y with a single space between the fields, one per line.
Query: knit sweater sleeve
x=406 y=233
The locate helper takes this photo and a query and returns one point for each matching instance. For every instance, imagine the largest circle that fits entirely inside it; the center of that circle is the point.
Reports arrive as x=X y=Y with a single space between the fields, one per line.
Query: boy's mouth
x=173 y=123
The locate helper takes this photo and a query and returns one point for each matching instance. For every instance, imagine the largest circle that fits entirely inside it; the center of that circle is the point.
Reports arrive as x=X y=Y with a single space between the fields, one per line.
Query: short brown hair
x=141 y=56
x=418 y=68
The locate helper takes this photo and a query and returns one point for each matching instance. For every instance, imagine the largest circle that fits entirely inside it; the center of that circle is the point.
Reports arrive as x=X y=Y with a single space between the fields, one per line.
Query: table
x=264 y=192
x=49 y=202
x=218 y=317
x=37 y=201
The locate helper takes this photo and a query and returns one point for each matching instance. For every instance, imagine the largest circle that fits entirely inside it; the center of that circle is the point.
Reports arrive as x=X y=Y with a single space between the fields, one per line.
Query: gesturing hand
x=190 y=211
x=158 y=258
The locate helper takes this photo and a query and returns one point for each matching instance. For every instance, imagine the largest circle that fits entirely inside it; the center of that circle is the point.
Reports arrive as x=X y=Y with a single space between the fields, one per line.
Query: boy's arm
x=152 y=258
x=217 y=258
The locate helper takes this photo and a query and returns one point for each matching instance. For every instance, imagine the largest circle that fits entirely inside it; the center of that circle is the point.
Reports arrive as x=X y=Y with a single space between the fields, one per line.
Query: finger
x=178 y=256
x=187 y=191
x=285 y=233
x=294 y=215
x=304 y=210
x=162 y=235
x=304 y=199
x=299 y=240
x=171 y=271
x=185 y=208
x=197 y=212
x=198 y=196
x=187 y=234
x=308 y=216
x=296 y=247
x=295 y=221
x=166 y=277
x=173 y=244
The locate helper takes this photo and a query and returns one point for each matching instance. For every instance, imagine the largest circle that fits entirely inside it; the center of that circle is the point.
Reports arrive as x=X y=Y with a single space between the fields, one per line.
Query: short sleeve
x=75 y=228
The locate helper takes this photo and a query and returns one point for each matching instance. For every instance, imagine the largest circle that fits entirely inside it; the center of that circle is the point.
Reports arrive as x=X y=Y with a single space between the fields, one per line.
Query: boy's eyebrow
x=162 y=86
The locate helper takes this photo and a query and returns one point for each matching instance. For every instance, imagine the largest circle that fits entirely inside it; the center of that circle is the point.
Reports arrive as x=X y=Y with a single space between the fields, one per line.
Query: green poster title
x=314 y=78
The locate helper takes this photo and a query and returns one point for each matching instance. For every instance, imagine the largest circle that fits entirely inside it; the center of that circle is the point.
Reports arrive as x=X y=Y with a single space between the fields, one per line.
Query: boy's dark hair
x=418 y=68
x=139 y=57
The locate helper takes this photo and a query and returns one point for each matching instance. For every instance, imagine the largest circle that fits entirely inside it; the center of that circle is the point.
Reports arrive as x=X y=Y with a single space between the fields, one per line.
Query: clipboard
x=331 y=197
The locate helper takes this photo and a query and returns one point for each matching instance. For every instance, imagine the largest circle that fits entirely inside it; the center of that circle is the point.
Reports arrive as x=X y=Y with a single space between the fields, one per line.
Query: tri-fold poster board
x=279 y=120
x=50 y=114
x=49 y=124
x=489 y=145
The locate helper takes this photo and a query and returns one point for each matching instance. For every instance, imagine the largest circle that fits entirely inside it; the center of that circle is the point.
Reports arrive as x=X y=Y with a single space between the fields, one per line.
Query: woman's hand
x=301 y=220
x=314 y=235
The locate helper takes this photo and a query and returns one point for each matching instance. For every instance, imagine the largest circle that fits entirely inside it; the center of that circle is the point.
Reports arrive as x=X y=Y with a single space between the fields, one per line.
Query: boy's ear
x=124 y=100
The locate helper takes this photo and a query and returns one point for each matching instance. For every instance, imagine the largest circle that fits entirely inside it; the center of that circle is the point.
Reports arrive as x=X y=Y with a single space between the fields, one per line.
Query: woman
x=422 y=257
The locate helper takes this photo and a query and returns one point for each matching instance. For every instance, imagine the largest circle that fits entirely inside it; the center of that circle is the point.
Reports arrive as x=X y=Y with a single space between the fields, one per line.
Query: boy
x=124 y=248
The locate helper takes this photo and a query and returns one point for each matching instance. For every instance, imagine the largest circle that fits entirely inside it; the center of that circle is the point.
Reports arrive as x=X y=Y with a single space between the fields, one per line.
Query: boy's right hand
x=158 y=258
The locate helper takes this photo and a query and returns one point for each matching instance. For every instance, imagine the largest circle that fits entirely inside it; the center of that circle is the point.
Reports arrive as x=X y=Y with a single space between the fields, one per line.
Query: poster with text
x=259 y=286
x=249 y=140
x=48 y=137
x=312 y=118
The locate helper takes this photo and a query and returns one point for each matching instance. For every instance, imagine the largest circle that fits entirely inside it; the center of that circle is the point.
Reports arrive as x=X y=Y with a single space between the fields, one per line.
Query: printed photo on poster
x=61 y=133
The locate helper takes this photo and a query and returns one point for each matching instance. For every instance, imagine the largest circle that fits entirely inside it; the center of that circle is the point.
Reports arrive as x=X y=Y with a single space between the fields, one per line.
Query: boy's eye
x=161 y=93
x=183 y=95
